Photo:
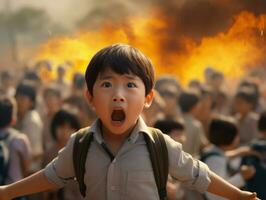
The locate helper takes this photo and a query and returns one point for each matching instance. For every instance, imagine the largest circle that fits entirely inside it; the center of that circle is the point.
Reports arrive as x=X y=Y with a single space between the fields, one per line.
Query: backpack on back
x=157 y=150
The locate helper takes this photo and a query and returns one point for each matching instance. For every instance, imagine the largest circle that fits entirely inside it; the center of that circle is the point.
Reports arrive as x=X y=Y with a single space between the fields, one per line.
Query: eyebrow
x=131 y=77
x=105 y=77
x=108 y=77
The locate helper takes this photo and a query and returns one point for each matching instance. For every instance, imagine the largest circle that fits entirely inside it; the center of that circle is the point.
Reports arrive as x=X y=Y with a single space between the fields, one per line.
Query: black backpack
x=157 y=150
x=5 y=140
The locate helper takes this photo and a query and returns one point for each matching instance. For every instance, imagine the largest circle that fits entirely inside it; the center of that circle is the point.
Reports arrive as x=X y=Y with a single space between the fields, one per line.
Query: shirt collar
x=140 y=127
x=96 y=130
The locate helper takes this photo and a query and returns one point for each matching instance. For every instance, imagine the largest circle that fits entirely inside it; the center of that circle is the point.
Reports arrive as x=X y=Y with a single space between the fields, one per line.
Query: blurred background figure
x=64 y=122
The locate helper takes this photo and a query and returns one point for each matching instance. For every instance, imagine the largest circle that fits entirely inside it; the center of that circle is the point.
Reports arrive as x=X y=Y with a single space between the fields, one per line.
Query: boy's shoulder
x=211 y=152
x=16 y=138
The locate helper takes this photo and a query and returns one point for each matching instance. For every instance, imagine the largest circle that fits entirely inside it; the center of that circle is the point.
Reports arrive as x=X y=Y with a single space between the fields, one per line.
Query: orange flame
x=231 y=52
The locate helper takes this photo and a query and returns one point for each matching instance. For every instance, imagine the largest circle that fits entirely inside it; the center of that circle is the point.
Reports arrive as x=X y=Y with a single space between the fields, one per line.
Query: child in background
x=120 y=82
x=155 y=111
x=223 y=135
x=29 y=121
x=244 y=102
x=64 y=122
x=52 y=103
x=169 y=89
x=175 y=130
x=257 y=182
x=15 y=148
x=196 y=138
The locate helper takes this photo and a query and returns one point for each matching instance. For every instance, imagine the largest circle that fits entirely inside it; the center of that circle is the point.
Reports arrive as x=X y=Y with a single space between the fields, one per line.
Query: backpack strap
x=206 y=155
x=159 y=159
x=80 y=150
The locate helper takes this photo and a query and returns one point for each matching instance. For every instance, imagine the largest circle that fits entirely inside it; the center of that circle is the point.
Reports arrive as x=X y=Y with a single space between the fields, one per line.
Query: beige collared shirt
x=130 y=174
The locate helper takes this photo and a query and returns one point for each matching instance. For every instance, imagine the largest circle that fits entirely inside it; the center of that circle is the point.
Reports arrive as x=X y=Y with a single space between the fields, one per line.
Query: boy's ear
x=88 y=98
x=148 y=99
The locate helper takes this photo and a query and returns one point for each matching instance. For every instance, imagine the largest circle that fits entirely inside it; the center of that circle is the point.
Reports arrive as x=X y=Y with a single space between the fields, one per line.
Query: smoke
x=185 y=18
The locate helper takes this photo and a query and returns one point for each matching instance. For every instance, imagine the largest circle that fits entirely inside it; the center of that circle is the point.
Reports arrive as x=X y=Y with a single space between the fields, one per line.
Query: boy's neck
x=115 y=141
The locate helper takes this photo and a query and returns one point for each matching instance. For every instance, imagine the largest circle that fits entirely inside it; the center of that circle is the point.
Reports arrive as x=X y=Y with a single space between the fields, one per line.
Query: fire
x=231 y=52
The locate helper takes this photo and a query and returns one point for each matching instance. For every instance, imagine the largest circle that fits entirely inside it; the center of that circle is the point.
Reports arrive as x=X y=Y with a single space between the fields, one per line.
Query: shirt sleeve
x=61 y=169
x=183 y=167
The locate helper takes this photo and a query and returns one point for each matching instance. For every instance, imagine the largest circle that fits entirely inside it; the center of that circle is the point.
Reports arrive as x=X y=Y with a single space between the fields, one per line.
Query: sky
x=65 y=12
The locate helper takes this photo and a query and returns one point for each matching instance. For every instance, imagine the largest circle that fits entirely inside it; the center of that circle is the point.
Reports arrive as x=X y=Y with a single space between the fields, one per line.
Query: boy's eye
x=131 y=85
x=106 y=84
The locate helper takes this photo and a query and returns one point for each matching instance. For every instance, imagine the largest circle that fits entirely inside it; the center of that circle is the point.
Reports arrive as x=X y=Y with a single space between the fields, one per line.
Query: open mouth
x=118 y=116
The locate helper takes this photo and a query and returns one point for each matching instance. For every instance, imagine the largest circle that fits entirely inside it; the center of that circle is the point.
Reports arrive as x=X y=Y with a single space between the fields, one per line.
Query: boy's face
x=118 y=100
x=63 y=133
x=53 y=103
x=241 y=106
x=23 y=103
x=178 y=135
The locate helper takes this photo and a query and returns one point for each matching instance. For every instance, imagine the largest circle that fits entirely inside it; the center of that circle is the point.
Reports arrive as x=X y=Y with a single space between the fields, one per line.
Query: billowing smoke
x=188 y=18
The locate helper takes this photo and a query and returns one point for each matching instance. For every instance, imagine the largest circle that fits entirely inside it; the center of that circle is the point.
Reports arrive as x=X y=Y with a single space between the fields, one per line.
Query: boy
x=189 y=102
x=223 y=135
x=120 y=81
x=256 y=183
x=52 y=103
x=29 y=121
x=244 y=102
x=175 y=129
x=15 y=145
x=64 y=122
x=169 y=89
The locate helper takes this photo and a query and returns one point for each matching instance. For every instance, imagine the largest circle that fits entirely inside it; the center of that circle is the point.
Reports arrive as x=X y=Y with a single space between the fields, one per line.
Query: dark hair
x=6 y=75
x=222 y=131
x=187 y=101
x=247 y=94
x=78 y=80
x=122 y=59
x=262 y=122
x=168 y=125
x=52 y=90
x=217 y=75
x=6 y=111
x=167 y=79
x=31 y=75
x=62 y=117
x=27 y=88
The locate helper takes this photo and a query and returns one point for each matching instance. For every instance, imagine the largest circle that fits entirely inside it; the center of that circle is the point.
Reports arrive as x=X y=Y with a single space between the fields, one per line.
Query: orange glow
x=231 y=52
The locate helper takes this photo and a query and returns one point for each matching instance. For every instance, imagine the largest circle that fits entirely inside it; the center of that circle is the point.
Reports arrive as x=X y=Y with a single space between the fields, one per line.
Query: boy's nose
x=121 y=99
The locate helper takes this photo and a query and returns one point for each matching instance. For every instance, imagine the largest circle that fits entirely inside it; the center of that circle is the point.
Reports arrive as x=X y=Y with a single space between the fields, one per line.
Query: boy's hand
x=248 y=196
x=247 y=151
x=247 y=171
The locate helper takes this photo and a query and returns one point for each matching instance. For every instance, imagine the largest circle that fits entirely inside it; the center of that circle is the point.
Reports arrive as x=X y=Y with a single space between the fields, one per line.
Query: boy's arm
x=222 y=188
x=242 y=151
x=29 y=185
